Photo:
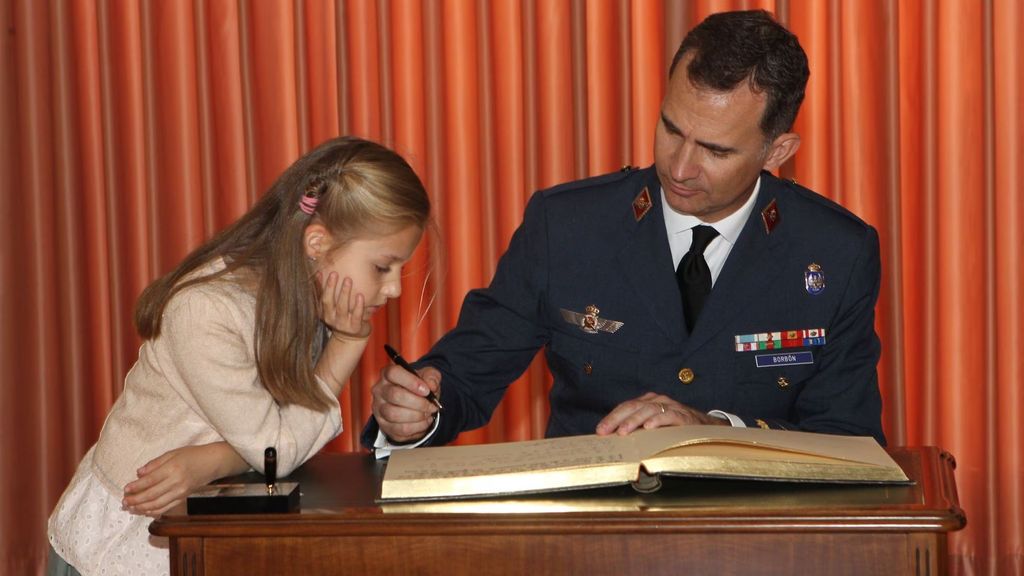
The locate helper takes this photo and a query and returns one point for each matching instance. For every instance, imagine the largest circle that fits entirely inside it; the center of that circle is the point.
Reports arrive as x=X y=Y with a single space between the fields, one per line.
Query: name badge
x=793 y=359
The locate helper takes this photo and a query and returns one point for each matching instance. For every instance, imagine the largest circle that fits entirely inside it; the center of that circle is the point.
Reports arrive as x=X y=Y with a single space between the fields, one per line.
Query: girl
x=247 y=344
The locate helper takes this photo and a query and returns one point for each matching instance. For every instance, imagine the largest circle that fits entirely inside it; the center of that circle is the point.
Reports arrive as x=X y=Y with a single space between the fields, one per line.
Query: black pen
x=270 y=468
x=397 y=359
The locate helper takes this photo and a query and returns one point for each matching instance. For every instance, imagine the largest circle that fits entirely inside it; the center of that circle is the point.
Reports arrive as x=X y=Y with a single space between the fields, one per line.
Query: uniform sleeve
x=842 y=397
x=500 y=330
x=214 y=369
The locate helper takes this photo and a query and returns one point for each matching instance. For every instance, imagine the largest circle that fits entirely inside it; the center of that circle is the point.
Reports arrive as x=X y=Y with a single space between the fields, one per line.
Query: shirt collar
x=728 y=227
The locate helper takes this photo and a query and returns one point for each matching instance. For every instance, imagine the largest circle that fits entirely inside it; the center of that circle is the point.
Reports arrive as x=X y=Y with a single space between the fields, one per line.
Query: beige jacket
x=197 y=383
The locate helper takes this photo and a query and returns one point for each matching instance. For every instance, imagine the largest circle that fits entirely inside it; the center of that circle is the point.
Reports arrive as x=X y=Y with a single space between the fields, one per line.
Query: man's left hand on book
x=652 y=411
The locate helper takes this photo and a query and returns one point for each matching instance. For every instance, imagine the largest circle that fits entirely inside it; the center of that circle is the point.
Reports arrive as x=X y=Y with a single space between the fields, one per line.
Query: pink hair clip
x=308 y=204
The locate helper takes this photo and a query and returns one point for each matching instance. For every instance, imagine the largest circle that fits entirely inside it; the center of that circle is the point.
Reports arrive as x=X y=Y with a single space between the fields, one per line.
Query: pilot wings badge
x=590 y=321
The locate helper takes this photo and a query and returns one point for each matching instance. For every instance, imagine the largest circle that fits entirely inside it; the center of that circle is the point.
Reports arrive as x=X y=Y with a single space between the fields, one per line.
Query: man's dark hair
x=730 y=47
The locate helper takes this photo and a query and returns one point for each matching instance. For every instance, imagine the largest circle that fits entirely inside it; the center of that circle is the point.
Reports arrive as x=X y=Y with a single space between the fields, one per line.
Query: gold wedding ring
x=662 y=406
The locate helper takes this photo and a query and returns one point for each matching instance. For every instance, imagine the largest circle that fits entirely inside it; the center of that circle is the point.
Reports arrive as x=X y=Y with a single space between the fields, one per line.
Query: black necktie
x=694 y=276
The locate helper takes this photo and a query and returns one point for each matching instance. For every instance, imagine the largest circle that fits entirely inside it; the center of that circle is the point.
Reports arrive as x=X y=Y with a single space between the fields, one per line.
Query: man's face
x=709 y=147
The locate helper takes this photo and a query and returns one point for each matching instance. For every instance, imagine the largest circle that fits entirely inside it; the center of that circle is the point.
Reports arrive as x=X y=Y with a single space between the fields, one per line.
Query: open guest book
x=640 y=459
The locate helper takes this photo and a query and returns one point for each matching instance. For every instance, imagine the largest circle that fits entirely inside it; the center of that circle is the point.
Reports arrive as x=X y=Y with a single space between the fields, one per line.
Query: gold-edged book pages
x=573 y=462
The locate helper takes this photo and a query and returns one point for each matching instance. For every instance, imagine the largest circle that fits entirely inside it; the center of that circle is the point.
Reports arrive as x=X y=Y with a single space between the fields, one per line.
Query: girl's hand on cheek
x=343 y=311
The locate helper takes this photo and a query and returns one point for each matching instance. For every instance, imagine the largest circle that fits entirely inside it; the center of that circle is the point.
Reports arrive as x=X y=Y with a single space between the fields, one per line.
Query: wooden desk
x=688 y=527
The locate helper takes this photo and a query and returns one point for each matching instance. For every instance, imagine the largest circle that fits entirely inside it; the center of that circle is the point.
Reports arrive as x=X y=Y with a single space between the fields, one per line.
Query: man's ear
x=781 y=149
x=316 y=240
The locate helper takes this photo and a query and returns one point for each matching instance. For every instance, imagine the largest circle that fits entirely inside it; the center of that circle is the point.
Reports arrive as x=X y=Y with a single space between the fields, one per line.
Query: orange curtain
x=132 y=130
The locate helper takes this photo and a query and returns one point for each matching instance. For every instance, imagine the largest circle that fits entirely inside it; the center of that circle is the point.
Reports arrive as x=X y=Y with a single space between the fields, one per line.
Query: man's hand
x=652 y=411
x=400 y=405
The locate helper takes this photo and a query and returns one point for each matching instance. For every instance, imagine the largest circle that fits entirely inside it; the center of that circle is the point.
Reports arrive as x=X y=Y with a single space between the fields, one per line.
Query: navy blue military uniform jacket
x=811 y=274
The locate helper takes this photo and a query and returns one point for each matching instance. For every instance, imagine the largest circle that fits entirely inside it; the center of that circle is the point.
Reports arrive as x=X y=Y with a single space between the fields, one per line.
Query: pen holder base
x=248 y=498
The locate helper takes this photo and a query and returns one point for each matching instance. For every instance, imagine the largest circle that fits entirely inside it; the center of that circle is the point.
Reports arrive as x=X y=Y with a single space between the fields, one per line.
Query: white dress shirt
x=680 y=233
x=679 y=228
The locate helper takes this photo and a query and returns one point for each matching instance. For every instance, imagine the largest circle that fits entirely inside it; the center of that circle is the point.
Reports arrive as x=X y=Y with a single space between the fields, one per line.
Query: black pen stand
x=245 y=498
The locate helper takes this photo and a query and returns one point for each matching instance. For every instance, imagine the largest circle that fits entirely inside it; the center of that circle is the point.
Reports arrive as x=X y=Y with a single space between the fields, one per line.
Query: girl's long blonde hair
x=361 y=188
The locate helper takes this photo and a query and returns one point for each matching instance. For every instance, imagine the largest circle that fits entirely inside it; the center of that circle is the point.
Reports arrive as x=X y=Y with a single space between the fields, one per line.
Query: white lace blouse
x=91 y=532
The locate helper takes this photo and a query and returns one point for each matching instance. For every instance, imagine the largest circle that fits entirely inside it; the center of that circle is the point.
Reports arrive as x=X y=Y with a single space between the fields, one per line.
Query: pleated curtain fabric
x=130 y=131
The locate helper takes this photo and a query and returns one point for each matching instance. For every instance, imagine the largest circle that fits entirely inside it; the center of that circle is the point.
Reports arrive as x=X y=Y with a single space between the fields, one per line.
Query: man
x=769 y=320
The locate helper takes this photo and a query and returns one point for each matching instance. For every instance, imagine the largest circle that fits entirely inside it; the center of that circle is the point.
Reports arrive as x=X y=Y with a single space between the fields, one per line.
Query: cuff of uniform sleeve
x=733 y=419
x=382 y=447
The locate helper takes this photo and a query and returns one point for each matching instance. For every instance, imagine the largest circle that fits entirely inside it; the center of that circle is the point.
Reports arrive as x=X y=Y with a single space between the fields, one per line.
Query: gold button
x=686 y=375
x=587 y=368
x=782 y=381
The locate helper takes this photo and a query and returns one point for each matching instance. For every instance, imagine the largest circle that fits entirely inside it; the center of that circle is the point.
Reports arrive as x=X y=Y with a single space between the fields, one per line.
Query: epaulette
x=792 y=183
x=819 y=199
x=600 y=180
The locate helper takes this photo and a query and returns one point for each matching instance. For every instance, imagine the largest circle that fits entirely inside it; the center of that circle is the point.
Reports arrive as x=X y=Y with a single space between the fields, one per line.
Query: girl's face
x=372 y=262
